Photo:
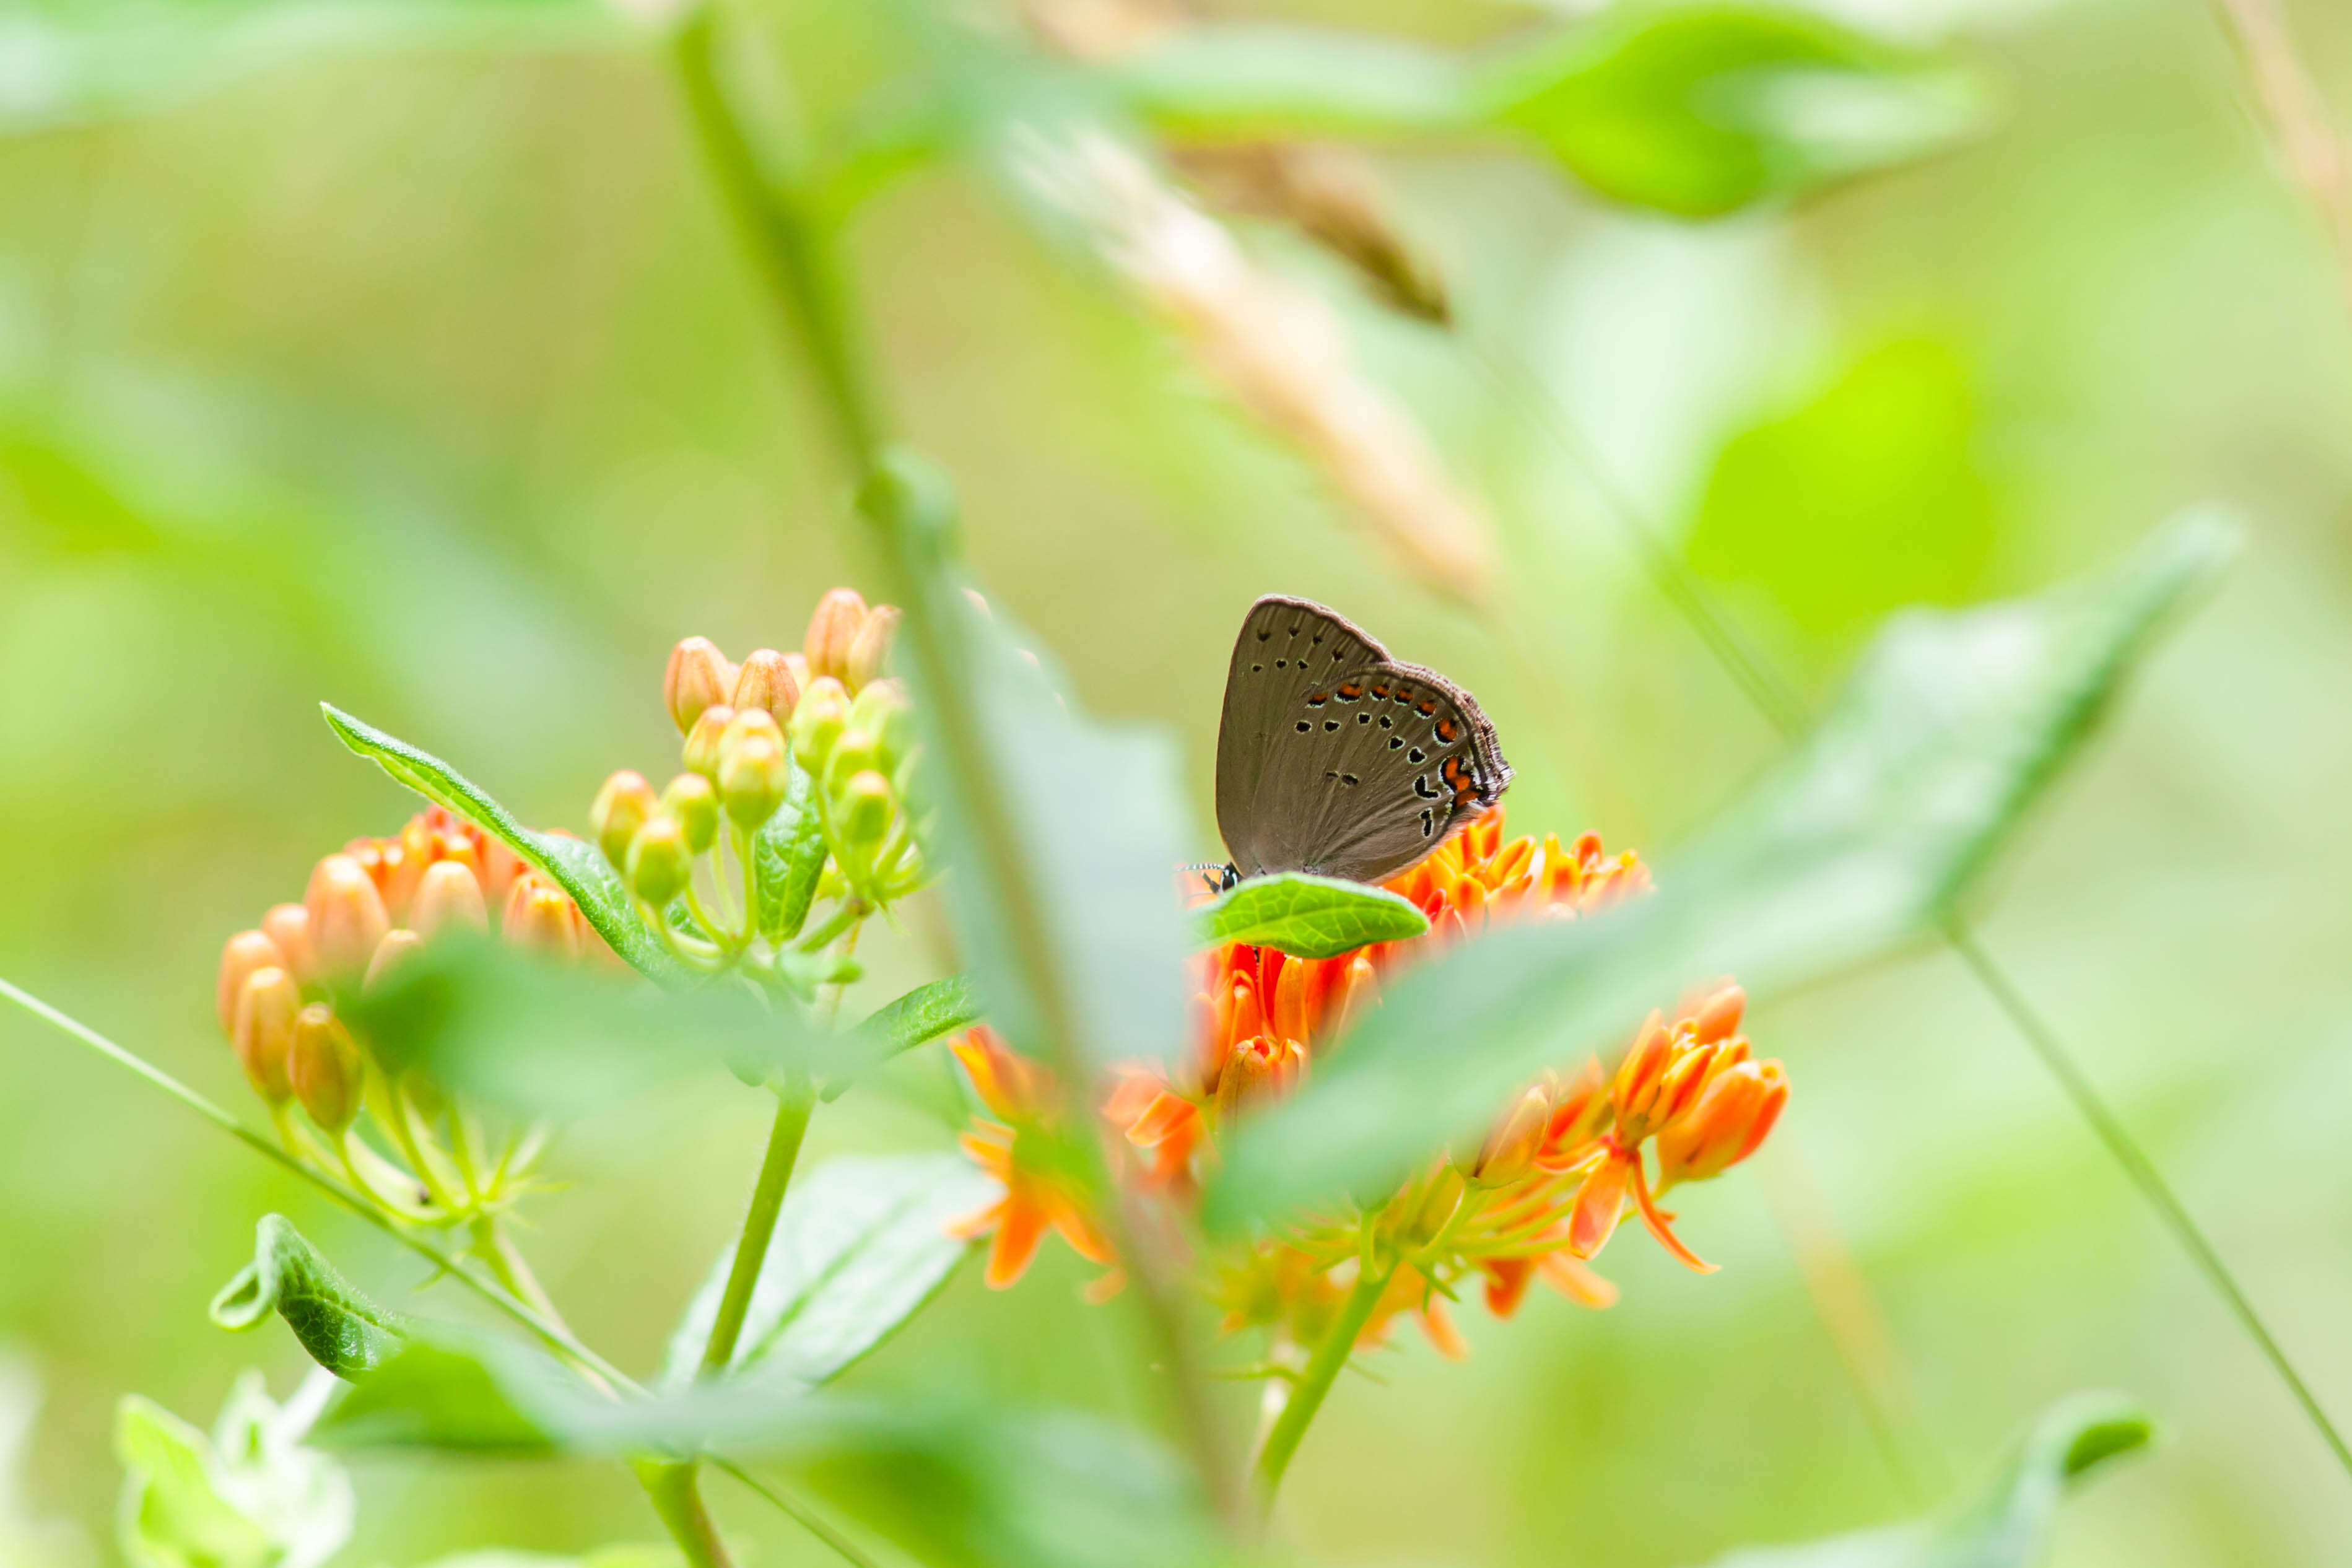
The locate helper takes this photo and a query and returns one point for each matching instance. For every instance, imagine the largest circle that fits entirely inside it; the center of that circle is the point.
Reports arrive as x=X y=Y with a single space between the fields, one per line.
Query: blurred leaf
x=1868 y=497
x=861 y=1246
x=1951 y=726
x=343 y=1330
x=1096 y=820
x=1308 y=916
x=922 y=1015
x=251 y=1495
x=1240 y=79
x=562 y=1041
x=68 y=60
x=576 y=867
x=622 y=1554
x=953 y=1484
x=2010 y=1525
x=790 y=850
x=1702 y=110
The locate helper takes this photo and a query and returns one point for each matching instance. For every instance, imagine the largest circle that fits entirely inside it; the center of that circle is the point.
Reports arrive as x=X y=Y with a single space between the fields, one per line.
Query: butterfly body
x=1334 y=758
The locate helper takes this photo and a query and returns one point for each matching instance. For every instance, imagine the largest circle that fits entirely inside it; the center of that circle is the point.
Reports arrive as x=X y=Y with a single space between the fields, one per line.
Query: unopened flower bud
x=817 y=722
x=831 y=631
x=866 y=808
x=658 y=862
x=450 y=895
x=699 y=676
x=324 y=1068
x=767 y=682
x=244 y=952
x=884 y=712
x=289 y=926
x=347 y=916
x=1437 y=1206
x=396 y=948
x=869 y=651
x=621 y=808
x=1719 y=1019
x=1727 y=1125
x=690 y=799
x=855 y=753
x=1261 y=1069
x=752 y=777
x=263 y=1032
x=1509 y=1152
x=538 y=918
x=701 y=752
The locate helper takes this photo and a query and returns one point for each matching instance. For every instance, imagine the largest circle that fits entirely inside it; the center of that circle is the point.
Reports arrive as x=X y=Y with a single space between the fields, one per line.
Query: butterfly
x=1334 y=758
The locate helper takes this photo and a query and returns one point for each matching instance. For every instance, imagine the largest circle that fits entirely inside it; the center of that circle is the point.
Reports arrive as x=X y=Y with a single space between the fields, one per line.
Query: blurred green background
x=435 y=385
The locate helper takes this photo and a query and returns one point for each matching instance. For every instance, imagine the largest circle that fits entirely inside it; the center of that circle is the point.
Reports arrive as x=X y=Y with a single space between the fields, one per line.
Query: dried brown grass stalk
x=2310 y=153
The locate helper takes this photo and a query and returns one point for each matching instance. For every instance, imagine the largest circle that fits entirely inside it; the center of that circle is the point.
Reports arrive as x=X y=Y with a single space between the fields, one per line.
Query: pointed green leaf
x=790 y=851
x=343 y=1330
x=1863 y=838
x=922 y=1015
x=578 y=867
x=861 y=1246
x=2010 y=1524
x=1309 y=917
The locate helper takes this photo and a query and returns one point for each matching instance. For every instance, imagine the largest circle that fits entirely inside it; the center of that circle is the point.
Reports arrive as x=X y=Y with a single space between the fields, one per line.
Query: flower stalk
x=1307 y=1393
x=794 y=1100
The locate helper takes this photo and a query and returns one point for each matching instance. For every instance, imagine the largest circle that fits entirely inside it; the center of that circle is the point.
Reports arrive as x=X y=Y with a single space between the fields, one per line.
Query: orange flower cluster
x=367 y=906
x=1541 y=1195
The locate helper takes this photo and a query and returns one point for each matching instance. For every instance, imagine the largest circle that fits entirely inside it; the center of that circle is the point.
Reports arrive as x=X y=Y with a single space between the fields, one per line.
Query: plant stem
x=793 y=1103
x=670 y=1485
x=2142 y=1172
x=1322 y=1370
x=782 y=215
x=847 y=1549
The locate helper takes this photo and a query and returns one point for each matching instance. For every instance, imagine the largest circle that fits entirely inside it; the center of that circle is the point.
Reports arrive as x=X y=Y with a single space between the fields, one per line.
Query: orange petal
x=1575 y=1281
x=1598 y=1203
x=1022 y=1227
x=1659 y=1227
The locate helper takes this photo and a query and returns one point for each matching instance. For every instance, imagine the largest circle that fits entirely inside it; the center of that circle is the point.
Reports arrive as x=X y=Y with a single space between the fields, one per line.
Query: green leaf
x=250 y=1495
x=790 y=852
x=861 y=1246
x=63 y=61
x=1862 y=840
x=1234 y=80
x=1309 y=917
x=2010 y=1524
x=343 y=1330
x=622 y=1554
x=1705 y=108
x=578 y=867
x=922 y=1015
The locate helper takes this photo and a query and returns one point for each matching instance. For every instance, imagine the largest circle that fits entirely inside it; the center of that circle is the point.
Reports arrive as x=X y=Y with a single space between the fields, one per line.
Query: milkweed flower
x=1539 y=1195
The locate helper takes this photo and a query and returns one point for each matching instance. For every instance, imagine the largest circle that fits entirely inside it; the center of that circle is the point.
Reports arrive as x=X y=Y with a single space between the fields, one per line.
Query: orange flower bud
x=1719 y=1018
x=1260 y=1070
x=449 y=894
x=690 y=798
x=397 y=948
x=699 y=676
x=538 y=918
x=324 y=1066
x=263 y=1032
x=869 y=651
x=1509 y=1152
x=621 y=808
x=701 y=752
x=831 y=631
x=289 y=926
x=767 y=683
x=1728 y=1124
x=245 y=952
x=347 y=916
x=500 y=865
x=1599 y=1202
x=658 y=863
x=1644 y=1065
x=797 y=662
x=1579 y=1113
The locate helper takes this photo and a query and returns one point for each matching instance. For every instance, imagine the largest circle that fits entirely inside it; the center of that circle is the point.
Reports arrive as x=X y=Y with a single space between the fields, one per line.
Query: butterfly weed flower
x=1538 y=1196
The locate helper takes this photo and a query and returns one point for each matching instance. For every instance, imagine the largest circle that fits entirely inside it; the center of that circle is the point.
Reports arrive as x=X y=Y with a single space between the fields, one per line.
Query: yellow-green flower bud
x=264 y=1032
x=658 y=862
x=621 y=808
x=876 y=705
x=753 y=776
x=767 y=682
x=833 y=630
x=869 y=651
x=690 y=798
x=396 y=948
x=324 y=1068
x=701 y=754
x=867 y=806
x=699 y=676
x=855 y=753
x=817 y=722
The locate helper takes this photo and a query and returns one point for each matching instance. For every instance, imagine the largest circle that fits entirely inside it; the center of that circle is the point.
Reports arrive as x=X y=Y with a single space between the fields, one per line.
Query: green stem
x=847 y=1549
x=793 y=1103
x=670 y=1485
x=2142 y=1172
x=1322 y=1369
